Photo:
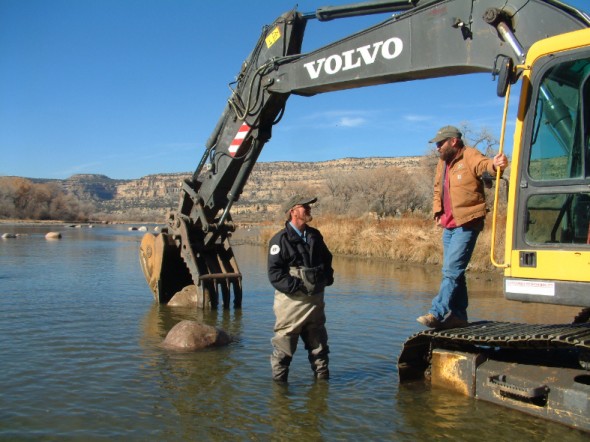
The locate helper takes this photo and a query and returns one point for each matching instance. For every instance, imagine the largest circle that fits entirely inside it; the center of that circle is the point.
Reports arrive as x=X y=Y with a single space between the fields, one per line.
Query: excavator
x=544 y=46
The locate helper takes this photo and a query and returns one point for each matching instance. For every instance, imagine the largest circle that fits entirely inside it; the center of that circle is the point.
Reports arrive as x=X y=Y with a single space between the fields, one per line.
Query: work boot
x=454 y=322
x=429 y=320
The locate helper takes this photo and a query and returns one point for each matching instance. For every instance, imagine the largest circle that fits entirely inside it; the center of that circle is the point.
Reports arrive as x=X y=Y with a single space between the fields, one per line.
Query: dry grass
x=410 y=239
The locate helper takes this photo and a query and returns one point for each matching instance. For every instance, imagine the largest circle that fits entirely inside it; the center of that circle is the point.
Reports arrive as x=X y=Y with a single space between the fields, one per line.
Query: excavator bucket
x=163 y=267
x=166 y=271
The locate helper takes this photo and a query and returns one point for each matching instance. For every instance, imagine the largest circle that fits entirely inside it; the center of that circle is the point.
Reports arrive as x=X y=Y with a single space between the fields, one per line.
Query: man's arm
x=482 y=164
x=436 y=198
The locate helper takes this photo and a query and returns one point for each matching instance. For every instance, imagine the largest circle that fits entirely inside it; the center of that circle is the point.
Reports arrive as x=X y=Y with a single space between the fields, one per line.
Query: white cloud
x=417 y=118
x=351 y=122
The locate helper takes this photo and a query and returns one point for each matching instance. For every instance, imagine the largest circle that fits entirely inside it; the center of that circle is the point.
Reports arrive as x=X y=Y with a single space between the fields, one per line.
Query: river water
x=81 y=356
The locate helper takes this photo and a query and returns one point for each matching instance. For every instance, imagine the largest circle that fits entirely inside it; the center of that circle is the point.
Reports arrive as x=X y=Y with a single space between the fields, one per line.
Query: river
x=81 y=356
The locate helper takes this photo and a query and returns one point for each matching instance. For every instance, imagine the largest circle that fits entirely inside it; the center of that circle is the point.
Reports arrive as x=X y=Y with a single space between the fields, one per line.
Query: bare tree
x=385 y=191
x=483 y=140
x=22 y=199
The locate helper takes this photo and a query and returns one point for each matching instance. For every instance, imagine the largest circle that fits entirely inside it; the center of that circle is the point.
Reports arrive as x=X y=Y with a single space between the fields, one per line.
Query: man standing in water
x=459 y=208
x=299 y=267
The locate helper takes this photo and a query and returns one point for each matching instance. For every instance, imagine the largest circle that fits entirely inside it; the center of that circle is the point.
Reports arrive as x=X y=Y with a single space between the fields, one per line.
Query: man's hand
x=312 y=279
x=303 y=289
x=500 y=161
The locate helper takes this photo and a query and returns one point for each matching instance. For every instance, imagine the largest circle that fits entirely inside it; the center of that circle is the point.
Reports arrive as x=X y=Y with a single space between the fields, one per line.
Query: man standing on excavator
x=299 y=267
x=459 y=208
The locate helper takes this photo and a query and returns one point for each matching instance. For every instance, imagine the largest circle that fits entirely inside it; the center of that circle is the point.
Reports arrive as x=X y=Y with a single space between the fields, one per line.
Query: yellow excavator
x=544 y=45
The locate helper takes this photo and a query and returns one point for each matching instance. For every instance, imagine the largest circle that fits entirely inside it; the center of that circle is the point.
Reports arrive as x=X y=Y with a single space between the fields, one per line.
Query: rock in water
x=191 y=335
x=184 y=298
x=53 y=235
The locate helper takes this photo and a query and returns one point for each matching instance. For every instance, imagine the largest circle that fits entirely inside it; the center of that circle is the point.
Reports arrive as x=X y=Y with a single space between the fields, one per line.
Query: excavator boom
x=425 y=39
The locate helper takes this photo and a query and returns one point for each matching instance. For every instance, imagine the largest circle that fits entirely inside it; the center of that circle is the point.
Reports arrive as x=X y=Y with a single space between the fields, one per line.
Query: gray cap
x=299 y=200
x=445 y=133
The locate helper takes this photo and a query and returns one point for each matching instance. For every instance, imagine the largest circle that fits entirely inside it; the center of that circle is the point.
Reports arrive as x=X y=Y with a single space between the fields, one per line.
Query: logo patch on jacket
x=274 y=249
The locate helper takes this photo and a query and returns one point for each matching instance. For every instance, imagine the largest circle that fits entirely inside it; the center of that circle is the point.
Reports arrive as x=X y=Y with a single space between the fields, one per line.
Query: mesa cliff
x=263 y=193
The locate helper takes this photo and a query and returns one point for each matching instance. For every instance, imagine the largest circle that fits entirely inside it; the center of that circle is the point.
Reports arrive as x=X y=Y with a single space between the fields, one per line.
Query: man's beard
x=306 y=218
x=448 y=154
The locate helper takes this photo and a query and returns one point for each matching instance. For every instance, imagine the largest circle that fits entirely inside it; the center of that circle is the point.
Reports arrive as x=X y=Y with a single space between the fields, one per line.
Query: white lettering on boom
x=355 y=58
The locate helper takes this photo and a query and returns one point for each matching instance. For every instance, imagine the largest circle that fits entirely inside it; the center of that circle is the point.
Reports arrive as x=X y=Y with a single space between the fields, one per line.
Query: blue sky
x=128 y=88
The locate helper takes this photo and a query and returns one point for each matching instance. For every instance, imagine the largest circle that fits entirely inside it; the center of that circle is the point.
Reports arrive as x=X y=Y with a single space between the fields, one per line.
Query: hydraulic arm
x=424 y=39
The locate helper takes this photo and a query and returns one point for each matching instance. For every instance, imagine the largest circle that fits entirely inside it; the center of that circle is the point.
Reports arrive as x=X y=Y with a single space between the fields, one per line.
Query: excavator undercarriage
x=538 y=369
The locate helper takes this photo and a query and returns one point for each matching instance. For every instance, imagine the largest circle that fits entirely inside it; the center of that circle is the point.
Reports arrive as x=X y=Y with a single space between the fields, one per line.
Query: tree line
x=382 y=192
x=20 y=198
x=386 y=191
x=394 y=191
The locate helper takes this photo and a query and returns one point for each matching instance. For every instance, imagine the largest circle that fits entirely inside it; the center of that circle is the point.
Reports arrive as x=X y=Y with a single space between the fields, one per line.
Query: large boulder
x=191 y=335
x=53 y=235
x=184 y=298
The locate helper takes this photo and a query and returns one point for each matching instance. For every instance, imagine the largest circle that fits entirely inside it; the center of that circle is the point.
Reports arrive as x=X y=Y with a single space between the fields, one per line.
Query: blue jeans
x=458 y=245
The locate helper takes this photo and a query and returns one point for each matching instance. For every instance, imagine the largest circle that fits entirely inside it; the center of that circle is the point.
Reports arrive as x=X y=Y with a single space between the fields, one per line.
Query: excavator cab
x=548 y=243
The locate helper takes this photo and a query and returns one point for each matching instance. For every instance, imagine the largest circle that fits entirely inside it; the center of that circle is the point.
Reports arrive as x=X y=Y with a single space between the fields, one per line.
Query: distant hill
x=262 y=194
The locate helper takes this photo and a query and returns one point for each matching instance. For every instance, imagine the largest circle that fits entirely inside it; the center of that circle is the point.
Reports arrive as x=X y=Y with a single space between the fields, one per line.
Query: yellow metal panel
x=554 y=265
x=562 y=265
x=559 y=43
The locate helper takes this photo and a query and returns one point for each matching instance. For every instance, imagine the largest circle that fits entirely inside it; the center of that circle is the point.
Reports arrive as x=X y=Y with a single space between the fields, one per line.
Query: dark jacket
x=287 y=249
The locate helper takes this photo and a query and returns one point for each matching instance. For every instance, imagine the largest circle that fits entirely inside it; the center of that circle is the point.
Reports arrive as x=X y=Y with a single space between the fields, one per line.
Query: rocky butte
x=262 y=194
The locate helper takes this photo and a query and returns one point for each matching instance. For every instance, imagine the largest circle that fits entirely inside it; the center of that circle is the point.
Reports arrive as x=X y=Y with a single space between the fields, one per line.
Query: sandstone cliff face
x=92 y=187
x=269 y=182
x=263 y=193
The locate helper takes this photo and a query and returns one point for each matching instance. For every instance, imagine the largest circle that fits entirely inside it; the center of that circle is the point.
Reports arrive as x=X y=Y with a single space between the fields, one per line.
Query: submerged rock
x=9 y=235
x=184 y=298
x=191 y=335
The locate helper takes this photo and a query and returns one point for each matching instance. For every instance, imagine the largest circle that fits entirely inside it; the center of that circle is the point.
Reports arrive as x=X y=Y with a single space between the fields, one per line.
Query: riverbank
x=407 y=239
x=415 y=239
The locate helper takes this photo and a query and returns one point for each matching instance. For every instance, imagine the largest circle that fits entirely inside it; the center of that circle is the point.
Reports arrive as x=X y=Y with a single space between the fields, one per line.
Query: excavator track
x=507 y=334
x=414 y=358
x=542 y=370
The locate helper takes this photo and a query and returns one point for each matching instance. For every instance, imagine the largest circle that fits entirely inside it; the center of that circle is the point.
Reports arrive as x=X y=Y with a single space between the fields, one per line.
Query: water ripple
x=81 y=357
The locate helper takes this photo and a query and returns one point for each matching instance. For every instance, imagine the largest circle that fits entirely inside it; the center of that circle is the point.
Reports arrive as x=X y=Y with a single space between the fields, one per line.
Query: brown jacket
x=466 y=186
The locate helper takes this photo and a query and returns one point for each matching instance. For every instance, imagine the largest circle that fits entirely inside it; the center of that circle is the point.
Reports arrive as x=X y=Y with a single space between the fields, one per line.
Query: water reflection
x=416 y=283
x=81 y=335
x=159 y=320
x=382 y=276
x=448 y=416
x=308 y=411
